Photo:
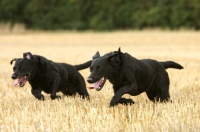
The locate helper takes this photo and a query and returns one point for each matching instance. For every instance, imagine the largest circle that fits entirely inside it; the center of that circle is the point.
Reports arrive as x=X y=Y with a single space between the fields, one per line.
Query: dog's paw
x=112 y=105
x=85 y=97
x=125 y=101
x=129 y=101
x=40 y=98
x=113 y=102
x=55 y=97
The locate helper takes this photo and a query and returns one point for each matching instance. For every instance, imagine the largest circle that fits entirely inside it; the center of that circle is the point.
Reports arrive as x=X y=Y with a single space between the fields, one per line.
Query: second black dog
x=131 y=76
x=48 y=76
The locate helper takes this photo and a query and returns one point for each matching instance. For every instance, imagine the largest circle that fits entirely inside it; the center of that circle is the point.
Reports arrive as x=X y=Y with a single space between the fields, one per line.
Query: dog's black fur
x=50 y=77
x=132 y=76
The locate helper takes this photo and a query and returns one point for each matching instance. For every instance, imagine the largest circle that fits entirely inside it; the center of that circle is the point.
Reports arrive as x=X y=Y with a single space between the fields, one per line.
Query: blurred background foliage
x=101 y=14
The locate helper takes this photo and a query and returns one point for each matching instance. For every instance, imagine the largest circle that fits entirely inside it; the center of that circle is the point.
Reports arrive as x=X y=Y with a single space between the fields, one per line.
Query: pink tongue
x=22 y=80
x=15 y=83
x=96 y=84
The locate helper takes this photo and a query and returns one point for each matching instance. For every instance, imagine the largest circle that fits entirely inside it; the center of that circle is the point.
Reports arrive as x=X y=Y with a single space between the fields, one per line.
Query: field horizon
x=21 y=112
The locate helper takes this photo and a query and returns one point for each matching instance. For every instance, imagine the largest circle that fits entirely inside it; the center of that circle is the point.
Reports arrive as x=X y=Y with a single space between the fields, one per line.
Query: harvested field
x=21 y=112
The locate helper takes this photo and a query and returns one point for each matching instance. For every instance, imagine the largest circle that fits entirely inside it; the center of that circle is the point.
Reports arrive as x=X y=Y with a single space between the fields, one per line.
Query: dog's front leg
x=36 y=91
x=37 y=94
x=54 y=88
x=117 y=97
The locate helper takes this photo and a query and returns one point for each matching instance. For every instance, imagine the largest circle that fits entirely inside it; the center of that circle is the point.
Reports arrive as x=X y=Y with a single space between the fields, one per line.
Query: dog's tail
x=83 y=66
x=171 y=64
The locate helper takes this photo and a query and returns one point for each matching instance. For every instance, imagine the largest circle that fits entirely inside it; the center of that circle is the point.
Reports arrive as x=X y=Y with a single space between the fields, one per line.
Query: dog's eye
x=98 y=69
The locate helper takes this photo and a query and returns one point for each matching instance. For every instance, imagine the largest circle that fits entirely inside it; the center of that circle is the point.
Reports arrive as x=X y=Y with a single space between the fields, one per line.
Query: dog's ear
x=97 y=55
x=119 y=50
x=28 y=55
x=15 y=59
x=115 y=56
x=112 y=57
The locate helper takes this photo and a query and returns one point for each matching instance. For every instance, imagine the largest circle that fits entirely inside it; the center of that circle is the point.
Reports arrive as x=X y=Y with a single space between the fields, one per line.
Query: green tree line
x=101 y=14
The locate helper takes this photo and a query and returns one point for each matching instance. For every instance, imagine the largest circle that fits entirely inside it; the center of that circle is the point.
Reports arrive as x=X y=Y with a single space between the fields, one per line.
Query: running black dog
x=48 y=76
x=131 y=76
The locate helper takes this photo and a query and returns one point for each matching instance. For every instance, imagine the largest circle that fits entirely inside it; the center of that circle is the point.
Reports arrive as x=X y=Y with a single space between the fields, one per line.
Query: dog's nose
x=90 y=79
x=14 y=76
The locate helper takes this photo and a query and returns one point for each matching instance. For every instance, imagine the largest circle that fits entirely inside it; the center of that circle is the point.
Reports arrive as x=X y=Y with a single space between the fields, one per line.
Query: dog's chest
x=42 y=81
x=119 y=81
x=114 y=80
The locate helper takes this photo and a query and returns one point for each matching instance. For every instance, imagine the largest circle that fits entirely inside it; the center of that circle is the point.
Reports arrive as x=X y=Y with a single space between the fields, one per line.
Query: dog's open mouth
x=99 y=84
x=22 y=81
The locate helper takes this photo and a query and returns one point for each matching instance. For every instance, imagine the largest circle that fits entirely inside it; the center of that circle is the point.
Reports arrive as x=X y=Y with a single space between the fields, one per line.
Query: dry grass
x=21 y=112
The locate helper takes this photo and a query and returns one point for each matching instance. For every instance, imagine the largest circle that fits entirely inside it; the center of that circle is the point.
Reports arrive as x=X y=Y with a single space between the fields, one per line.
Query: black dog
x=131 y=76
x=50 y=77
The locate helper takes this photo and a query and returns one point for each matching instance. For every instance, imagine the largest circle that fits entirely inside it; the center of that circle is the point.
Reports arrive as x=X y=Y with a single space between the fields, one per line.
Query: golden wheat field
x=21 y=112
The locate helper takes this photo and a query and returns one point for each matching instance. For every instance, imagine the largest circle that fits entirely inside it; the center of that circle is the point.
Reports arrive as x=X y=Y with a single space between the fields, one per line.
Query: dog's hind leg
x=164 y=95
x=83 y=92
x=152 y=95
x=68 y=90
x=80 y=86
x=162 y=86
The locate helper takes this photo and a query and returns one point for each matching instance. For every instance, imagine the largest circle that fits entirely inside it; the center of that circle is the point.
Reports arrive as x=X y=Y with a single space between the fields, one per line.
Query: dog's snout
x=14 y=76
x=90 y=80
